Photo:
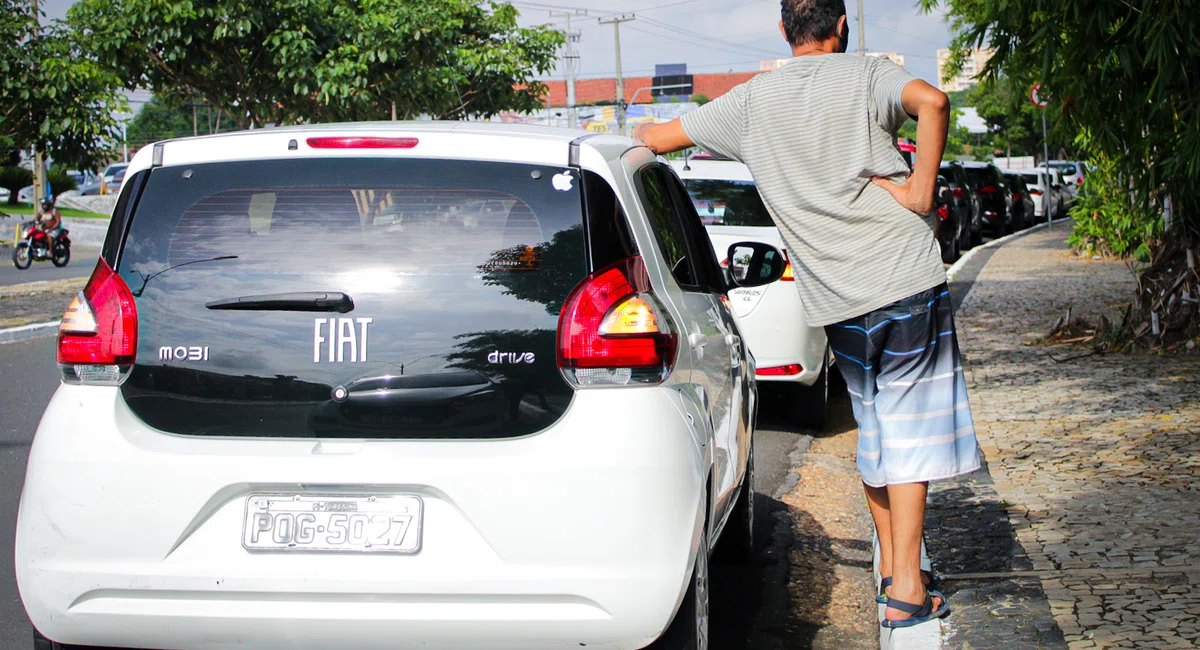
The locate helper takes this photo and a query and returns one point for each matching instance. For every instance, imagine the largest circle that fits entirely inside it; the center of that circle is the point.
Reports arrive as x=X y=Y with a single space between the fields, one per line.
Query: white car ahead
x=394 y=385
x=1041 y=188
x=791 y=356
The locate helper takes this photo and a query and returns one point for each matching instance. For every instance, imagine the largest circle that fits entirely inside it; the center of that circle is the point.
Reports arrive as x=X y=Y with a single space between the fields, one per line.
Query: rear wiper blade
x=295 y=301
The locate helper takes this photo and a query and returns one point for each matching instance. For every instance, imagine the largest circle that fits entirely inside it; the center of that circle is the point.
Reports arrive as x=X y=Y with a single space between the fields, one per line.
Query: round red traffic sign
x=1035 y=96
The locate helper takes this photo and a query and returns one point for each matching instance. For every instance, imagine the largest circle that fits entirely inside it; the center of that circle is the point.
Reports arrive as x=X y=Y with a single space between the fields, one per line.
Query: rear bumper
x=778 y=335
x=581 y=535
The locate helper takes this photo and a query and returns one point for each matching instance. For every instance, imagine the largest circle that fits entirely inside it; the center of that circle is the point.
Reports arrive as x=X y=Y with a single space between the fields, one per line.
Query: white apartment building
x=971 y=67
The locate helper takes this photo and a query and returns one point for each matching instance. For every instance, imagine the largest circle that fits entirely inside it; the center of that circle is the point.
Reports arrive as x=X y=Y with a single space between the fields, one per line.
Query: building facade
x=973 y=66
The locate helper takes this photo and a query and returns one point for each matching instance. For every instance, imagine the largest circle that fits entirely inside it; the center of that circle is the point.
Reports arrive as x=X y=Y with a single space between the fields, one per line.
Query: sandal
x=935 y=581
x=920 y=613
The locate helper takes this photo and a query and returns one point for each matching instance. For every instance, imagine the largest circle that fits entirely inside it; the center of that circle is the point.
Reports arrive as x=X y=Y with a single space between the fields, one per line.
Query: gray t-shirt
x=814 y=133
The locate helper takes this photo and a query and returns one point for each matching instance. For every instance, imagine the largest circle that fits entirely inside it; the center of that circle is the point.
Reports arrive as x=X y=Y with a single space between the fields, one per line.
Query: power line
x=706 y=38
x=679 y=39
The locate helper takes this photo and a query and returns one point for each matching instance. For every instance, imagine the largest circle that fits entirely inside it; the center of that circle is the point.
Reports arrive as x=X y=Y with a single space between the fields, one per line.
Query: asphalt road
x=83 y=260
x=28 y=378
x=747 y=600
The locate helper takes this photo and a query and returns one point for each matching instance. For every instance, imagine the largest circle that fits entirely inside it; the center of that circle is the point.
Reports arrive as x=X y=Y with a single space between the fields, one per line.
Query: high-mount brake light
x=988 y=189
x=97 y=339
x=342 y=142
x=958 y=192
x=613 y=332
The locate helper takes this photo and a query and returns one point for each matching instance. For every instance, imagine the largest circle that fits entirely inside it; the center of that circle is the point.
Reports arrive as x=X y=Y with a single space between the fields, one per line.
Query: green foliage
x=1008 y=112
x=958 y=138
x=51 y=96
x=296 y=61
x=1110 y=220
x=1122 y=78
x=60 y=182
x=13 y=179
x=701 y=99
x=160 y=121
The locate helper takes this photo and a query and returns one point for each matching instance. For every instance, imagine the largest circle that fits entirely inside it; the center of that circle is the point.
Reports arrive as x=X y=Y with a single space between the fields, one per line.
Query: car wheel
x=736 y=545
x=42 y=643
x=949 y=249
x=810 y=403
x=21 y=256
x=689 y=629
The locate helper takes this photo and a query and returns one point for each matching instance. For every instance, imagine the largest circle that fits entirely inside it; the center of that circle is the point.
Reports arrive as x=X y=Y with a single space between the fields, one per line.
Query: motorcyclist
x=50 y=221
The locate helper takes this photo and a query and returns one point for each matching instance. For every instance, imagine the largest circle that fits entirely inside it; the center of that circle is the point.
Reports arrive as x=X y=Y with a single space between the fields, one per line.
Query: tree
x=159 y=121
x=52 y=97
x=1009 y=115
x=1123 y=79
x=295 y=61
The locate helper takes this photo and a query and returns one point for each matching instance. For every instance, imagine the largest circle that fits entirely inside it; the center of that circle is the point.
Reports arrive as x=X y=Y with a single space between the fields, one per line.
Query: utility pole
x=862 y=30
x=39 y=158
x=616 y=23
x=570 y=63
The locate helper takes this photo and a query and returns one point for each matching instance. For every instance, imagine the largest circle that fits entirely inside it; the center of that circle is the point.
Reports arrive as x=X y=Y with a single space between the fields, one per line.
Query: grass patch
x=21 y=210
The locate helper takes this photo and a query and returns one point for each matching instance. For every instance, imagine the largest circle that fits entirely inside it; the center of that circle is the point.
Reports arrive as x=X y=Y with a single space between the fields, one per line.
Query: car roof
x=485 y=141
x=708 y=169
x=975 y=164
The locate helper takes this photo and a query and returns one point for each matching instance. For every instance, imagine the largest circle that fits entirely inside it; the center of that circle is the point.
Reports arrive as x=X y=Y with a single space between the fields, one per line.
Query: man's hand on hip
x=914 y=195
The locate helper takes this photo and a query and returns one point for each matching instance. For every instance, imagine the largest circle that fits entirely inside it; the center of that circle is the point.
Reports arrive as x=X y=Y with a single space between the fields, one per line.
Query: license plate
x=333 y=523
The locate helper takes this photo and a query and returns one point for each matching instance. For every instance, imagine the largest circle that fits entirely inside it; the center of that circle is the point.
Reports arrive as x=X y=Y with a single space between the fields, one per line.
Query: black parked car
x=950 y=222
x=994 y=196
x=1022 y=201
x=967 y=199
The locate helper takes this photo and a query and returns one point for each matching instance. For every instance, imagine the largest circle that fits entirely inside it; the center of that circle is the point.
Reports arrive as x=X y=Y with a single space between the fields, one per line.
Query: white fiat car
x=791 y=357
x=394 y=385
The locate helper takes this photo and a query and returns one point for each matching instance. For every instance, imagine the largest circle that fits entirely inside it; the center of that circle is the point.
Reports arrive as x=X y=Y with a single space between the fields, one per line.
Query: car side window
x=668 y=231
x=704 y=258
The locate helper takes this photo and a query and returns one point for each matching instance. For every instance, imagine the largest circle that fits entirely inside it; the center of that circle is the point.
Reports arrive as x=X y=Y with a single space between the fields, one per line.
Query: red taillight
x=97 y=339
x=789 y=370
x=1035 y=192
x=988 y=189
x=943 y=212
x=362 y=143
x=958 y=192
x=612 y=331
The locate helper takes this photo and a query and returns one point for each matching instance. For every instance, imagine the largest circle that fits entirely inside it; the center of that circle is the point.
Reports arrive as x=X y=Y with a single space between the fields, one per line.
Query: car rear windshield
x=981 y=176
x=355 y=298
x=728 y=203
x=1066 y=169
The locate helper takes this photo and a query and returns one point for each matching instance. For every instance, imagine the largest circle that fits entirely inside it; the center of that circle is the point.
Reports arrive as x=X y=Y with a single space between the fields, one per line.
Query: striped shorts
x=904 y=373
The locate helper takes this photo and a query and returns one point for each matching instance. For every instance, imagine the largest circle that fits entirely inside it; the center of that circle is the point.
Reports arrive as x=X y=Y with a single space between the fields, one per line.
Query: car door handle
x=698 y=340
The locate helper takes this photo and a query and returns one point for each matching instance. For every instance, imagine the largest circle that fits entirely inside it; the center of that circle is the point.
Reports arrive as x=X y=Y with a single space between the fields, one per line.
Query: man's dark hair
x=806 y=21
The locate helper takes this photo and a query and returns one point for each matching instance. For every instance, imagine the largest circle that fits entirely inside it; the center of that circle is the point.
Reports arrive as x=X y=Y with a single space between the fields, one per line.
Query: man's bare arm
x=931 y=108
x=663 y=138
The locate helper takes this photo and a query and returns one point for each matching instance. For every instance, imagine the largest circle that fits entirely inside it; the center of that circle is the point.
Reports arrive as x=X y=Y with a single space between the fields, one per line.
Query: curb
x=962 y=261
x=14 y=334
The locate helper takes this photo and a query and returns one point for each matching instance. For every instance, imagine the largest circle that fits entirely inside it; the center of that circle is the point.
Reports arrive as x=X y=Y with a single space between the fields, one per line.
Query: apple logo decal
x=563 y=182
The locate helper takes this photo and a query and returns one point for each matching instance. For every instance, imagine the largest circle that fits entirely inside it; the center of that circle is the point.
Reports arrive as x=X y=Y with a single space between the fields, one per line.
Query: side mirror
x=753 y=264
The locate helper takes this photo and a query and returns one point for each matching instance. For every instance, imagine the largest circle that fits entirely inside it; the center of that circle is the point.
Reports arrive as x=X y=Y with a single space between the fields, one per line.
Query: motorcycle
x=36 y=246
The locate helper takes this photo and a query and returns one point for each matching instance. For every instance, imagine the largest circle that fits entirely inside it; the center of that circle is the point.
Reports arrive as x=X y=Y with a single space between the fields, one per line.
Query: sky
x=724 y=35
x=711 y=35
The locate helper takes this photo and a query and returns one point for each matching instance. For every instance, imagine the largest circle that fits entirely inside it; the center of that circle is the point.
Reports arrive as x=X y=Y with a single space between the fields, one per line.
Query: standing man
x=819 y=136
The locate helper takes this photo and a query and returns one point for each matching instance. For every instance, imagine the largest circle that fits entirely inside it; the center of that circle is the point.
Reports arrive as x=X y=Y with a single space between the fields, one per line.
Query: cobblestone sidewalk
x=1090 y=514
